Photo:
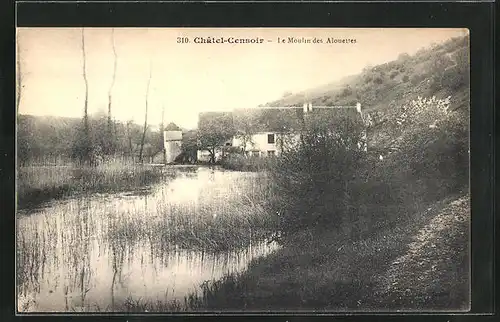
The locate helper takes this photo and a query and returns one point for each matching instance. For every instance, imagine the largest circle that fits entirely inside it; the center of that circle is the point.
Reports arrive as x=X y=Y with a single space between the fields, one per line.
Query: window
x=228 y=144
x=270 y=138
x=271 y=153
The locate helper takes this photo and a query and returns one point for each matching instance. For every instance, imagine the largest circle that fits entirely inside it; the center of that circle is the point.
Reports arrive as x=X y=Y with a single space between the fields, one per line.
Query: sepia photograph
x=242 y=170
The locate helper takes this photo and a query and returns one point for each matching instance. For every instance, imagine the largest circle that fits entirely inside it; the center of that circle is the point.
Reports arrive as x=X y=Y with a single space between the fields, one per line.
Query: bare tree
x=129 y=139
x=86 y=131
x=19 y=75
x=110 y=148
x=145 y=117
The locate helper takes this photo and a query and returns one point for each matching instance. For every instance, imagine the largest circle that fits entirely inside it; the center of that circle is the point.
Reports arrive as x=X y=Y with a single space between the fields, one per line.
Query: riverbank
x=37 y=184
x=420 y=263
x=93 y=252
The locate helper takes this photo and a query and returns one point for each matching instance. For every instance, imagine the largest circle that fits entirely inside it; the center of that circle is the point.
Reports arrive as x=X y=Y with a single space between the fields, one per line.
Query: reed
x=216 y=221
x=36 y=184
x=230 y=213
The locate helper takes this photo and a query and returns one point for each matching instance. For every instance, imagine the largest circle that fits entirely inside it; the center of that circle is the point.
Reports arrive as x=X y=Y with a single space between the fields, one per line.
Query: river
x=93 y=253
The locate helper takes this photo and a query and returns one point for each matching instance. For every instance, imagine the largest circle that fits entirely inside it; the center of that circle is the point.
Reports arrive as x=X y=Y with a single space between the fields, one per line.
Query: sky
x=189 y=78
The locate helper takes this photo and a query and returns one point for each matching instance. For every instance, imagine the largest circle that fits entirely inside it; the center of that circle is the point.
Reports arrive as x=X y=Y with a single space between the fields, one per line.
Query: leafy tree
x=313 y=178
x=246 y=125
x=189 y=145
x=214 y=129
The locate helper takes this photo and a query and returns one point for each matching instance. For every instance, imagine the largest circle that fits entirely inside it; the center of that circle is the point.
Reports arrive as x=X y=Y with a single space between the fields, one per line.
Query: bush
x=417 y=79
x=313 y=179
x=325 y=183
x=346 y=91
x=457 y=76
x=394 y=74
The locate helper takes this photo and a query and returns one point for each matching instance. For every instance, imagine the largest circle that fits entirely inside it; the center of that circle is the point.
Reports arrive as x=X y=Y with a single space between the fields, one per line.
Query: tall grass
x=39 y=183
x=222 y=218
x=239 y=162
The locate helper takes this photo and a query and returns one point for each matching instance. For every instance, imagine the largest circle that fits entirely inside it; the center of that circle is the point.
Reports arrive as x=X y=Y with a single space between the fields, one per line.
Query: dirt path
x=433 y=272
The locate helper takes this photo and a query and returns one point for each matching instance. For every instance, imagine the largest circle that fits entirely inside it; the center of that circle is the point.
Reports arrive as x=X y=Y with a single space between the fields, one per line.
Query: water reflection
x=67 y=259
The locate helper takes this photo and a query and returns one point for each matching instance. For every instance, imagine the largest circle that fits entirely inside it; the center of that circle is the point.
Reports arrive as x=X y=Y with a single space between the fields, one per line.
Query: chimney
x=358 y=107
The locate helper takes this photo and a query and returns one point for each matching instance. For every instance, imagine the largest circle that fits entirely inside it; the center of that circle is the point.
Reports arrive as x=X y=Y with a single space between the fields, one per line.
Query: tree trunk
x=212 y=156
x=110 y=146
x=129 y=137
x=19 y=76
x=281 y=138
x=145 y=118
x=162 y=129
x=86 y=132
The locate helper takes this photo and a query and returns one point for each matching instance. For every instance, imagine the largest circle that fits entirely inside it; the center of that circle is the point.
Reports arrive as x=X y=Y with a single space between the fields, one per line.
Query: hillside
x=378 y=87
x=390 y=92
x=321 y=91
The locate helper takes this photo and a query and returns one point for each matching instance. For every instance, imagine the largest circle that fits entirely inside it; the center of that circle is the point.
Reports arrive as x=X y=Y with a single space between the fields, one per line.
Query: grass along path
x=434 y=272
x=332 y=273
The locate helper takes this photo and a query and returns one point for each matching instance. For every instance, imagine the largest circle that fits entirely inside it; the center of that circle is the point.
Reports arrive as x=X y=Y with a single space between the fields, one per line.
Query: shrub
x=457 y=76
x=404 y=57
x=394 y=74
x=417 y=79
x=313 y=179
x=433 y=141
x=346 y=91
x=325 y=183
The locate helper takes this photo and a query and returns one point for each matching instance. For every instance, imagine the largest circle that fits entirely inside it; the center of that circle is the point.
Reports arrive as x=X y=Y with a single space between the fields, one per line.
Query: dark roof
x=289 y=119
x=268 y=119
x=221 y=117
x=216 y=123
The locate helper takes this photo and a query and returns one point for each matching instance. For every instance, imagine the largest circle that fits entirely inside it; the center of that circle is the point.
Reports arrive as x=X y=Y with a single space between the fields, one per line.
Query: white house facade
x=264 y=143
x=172 y=141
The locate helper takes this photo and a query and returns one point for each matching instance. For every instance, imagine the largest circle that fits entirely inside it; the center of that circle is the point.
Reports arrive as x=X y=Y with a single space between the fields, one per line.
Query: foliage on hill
x=417 y=143
x=443 y=67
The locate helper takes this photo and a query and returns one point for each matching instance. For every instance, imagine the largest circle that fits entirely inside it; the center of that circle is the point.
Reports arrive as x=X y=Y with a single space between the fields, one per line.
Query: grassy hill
x=378 y=88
